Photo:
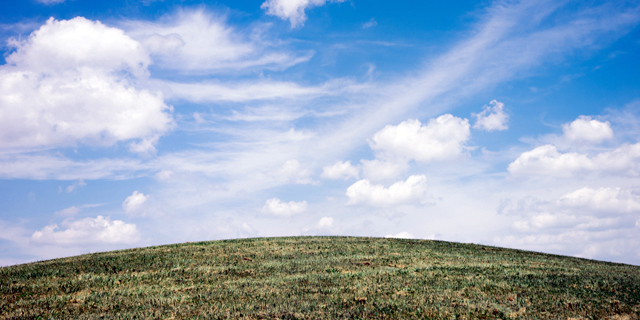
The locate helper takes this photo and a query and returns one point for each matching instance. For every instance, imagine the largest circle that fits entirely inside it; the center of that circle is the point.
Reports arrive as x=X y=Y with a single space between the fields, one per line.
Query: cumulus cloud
x=67 y=84
x=492 y=117
x=587 y=129
x=441 y=138
x=340 y=170
x=292 y=172
x=401 y=235
x=325 y=222
x=548 y=161
x=276 y=207
x=411 y=191
x=134 y=202
x=292 y=10
x=98 y=230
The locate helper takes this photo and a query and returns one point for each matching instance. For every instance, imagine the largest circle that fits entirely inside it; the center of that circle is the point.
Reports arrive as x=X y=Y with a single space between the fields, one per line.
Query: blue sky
x=134 y=123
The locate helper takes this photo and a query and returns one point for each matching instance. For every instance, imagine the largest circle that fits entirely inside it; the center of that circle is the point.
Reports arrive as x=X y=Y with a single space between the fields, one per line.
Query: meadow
x=320 y=278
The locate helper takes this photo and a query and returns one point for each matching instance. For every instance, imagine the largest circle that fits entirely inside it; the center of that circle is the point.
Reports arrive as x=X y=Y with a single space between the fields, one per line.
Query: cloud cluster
x=584 y=132
x=70 y=80
x=548 y=161
x=411 y=191
x=99 y=230
x=588 y=221
x=276 y=207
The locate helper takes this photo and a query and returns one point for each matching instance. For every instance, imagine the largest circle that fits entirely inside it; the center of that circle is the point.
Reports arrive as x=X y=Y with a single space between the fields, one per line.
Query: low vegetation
x=320 y=278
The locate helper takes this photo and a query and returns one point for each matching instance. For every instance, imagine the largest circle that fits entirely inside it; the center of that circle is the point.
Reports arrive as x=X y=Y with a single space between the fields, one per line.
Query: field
x=320 y=278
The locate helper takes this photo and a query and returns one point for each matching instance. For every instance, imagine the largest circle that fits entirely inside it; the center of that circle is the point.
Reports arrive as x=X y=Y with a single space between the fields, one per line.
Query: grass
x=320 y=278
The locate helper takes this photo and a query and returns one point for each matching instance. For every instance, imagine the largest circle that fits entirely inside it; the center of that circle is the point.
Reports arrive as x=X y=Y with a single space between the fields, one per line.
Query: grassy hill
x=320 y=278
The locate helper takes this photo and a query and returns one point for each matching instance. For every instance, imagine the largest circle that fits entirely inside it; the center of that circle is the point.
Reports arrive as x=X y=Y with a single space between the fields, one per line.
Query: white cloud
x=401 y=235
x=547 y=161
x=441 y=138
x=492 y=117
x=198 y=41
x=88 y=231
x=65 y=85
x=276 y=207
x=340 y=170
x=325 y=222
x=134 y=202
x=292 y=172
x=604 y=200
x=293 y=10
x=412 y=191
x=586 y=129
x=371 y=23
x=71 y=211
x=587 y=222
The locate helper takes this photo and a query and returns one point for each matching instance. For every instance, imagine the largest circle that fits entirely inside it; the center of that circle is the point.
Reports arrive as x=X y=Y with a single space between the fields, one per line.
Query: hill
x=320 y=278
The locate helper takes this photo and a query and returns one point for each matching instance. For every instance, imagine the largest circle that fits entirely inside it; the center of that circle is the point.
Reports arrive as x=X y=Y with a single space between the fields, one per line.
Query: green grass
x=320 y=278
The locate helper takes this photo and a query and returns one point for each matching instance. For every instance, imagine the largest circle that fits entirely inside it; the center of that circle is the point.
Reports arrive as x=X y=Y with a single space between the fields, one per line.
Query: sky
x=132 y=123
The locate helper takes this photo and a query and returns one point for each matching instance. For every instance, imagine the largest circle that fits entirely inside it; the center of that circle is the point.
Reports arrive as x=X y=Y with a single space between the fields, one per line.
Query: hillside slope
x=320 y=278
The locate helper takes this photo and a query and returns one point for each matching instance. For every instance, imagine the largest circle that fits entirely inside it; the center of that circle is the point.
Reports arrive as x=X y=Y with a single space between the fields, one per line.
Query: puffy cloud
x=546 y=160
x=441 y=138
x=88 y=231
x=276 y=207
x=586 y=129
x=291 y=171
x=401 y=235
x=134 y=202
x=413 y=190
x=293 y=10
x=325 y=222
x=65 y=84
x=492 y=117
x=340 y=170
x=79 y=43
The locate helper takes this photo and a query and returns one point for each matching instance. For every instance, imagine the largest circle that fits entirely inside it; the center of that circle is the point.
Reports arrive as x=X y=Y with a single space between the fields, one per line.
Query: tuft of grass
x=320 y=278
